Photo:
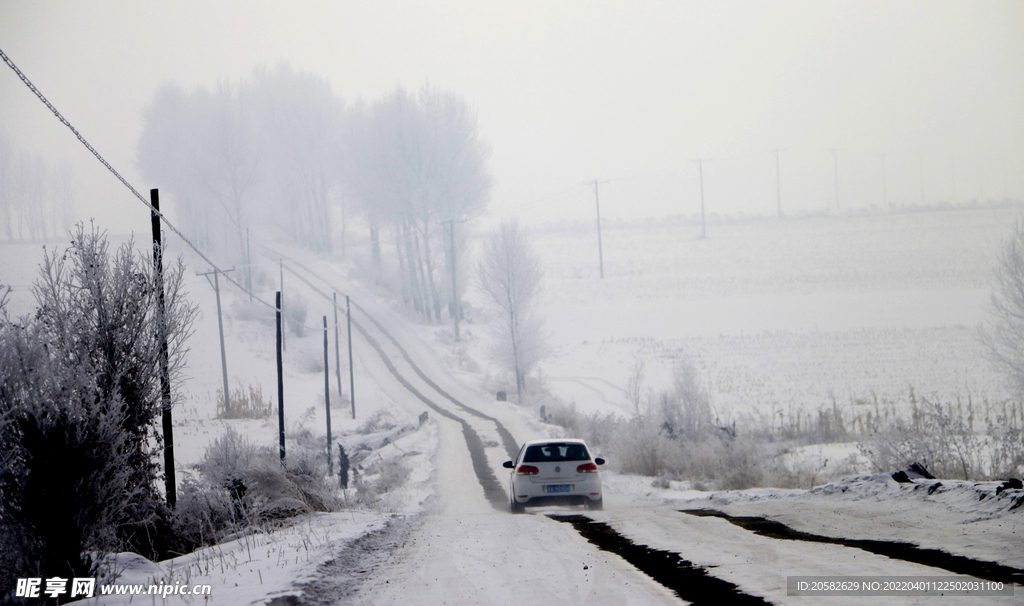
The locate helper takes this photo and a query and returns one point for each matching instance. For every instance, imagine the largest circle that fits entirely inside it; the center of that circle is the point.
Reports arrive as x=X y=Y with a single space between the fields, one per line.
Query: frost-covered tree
x=79 y=401
x=261 y=151
x=1005 y=339
x=510 y=277
x=416 y=162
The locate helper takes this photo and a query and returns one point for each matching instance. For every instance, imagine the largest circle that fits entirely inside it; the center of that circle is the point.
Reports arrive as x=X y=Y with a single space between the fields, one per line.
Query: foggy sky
x=573 y=91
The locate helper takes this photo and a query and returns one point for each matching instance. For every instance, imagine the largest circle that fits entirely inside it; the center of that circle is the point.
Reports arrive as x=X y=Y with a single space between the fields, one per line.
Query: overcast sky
x=566 y=92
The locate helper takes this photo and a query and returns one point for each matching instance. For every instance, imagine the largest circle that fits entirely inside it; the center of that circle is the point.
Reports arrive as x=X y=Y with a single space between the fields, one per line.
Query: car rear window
x=541 y=453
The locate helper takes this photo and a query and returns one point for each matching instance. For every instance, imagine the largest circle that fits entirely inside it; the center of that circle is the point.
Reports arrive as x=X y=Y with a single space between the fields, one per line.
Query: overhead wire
x=32 y=87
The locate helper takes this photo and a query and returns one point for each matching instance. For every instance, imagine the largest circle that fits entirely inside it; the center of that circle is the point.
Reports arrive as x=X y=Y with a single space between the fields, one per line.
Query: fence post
x=280 y=379
x=351 y=372
x=327 y=401
x=280 y=303
x=337 y=350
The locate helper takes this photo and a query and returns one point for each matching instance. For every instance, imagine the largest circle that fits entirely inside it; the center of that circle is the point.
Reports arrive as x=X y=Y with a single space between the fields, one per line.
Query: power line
x=135 y=192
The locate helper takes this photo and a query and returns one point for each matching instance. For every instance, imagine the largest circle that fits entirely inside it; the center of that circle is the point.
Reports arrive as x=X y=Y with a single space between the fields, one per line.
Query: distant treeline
x=37 y=199
x=281 y=152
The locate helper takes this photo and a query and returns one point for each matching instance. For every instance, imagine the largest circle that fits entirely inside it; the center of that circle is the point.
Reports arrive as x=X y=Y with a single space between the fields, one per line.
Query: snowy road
x=467 y=549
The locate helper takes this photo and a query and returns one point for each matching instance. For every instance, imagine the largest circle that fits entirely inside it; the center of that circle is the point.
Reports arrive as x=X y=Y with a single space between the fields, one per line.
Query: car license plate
x=559 y=488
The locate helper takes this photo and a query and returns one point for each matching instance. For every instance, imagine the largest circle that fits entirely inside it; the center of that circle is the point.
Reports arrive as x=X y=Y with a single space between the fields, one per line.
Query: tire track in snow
x=511 y=446
x=897 y=550
x=510 y=443
x=689 y=581
x=488 y=481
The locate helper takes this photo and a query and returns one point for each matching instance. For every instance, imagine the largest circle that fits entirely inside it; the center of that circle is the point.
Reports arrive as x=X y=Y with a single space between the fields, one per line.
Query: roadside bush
x=260 y=487
x=675 y=435
x=378 y=422
x=942 y=438
x=388 y=475
x=203 y=515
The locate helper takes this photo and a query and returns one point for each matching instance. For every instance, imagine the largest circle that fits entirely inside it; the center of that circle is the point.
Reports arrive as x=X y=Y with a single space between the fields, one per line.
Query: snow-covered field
x=777 y=315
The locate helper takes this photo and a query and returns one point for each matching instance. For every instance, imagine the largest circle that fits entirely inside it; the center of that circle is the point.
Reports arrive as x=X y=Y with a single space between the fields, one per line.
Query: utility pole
x=281 y=294
x=337 y=354
x=597 y=202
x=220 y=329
x=835 y=169
x=280 y=378
x=327 y=401
x=778 y=185
x=351 y=371
x=703 y=225
x=165 y=378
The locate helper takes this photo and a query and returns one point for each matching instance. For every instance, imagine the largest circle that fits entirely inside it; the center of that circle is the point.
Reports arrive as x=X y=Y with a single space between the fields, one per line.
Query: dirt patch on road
x=340 y=580
x=689 y=581
x=908 y=552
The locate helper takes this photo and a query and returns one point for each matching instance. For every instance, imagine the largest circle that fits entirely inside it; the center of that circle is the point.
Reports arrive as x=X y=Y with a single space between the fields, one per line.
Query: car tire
x=597 y=505
x=516 y=507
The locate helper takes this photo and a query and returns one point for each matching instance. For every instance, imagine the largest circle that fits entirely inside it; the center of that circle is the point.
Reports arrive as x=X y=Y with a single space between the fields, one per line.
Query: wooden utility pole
x=220 y=329
x=280 y=378
x=165 y=378
x=778 y=185
x=703 y=225
x=281 y=294
x=327 y=401
x=337 y=353
x=597 y=203
x=351 y=368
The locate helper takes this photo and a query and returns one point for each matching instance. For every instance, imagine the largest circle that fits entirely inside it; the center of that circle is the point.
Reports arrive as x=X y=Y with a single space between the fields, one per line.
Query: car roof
x=556 y=441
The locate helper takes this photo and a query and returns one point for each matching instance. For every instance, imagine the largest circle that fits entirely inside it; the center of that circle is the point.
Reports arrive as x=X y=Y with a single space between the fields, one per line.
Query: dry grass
x=246 y=403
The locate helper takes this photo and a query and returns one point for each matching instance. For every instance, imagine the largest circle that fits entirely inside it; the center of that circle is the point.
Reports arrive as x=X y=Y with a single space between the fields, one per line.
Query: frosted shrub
x=79 y=400
x=938 y=436
x=204 y=513
x=641 y=447
x=378 y=422
x=270 y=490
x=391 y=474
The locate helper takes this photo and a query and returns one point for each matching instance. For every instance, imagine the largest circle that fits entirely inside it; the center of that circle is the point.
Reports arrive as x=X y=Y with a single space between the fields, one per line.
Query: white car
x=554 y=472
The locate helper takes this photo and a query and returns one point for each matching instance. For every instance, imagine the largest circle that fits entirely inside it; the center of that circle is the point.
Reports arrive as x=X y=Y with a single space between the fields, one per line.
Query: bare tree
x=510 y=276
x=417 y=163
x=635 y=387
x=1005 y=339
x=262 y=150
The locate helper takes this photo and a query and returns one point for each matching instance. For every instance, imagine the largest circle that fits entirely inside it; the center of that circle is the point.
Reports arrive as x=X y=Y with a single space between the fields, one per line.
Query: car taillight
x=587 y=468
x=527 y=470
